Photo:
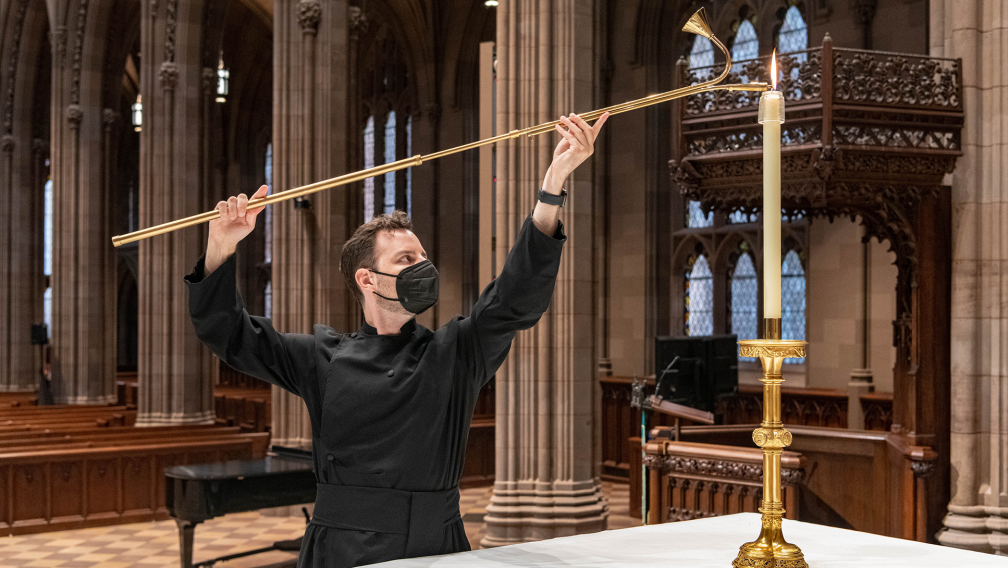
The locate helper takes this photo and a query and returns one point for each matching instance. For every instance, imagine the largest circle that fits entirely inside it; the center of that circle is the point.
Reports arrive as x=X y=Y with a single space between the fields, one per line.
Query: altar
x=709 y=543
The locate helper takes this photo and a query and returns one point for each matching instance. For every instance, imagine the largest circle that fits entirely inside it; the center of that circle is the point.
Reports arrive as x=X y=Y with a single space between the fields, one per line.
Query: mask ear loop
x=391 y=276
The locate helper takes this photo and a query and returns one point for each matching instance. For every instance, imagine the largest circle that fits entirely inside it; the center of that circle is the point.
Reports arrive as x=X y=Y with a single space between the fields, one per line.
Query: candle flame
x=773 y=69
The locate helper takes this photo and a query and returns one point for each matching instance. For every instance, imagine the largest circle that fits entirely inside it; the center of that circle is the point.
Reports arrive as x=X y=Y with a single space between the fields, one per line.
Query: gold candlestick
x=770 y=550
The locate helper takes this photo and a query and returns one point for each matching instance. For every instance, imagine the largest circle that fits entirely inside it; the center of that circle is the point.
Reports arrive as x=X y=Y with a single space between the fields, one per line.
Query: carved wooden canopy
x=867 y=135
x=872 y=136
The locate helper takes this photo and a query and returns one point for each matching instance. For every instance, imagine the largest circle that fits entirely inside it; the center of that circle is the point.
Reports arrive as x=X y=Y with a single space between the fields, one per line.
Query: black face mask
x=417 y=287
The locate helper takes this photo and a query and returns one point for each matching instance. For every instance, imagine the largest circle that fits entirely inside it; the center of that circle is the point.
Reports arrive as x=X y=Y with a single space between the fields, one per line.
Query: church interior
x=120 y=115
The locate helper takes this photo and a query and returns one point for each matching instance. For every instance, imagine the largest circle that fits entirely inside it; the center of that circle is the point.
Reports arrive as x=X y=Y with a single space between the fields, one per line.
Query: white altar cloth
x=704 y=543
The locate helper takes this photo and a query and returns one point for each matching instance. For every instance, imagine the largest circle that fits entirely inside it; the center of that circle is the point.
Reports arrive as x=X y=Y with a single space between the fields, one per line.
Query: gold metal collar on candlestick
x=697 y=24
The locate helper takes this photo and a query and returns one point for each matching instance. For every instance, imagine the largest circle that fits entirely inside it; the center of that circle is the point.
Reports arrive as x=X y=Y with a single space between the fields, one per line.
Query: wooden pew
x=85 y=487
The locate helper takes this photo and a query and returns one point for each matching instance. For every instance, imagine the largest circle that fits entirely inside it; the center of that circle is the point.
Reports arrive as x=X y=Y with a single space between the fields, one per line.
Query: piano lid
x=270 y=465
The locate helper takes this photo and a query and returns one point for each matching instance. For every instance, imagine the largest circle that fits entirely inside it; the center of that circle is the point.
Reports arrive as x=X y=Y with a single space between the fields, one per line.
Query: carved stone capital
x=209 y=81
x=57 y=38
x=922 y=469
x=771 y=437
x=74 y=114
x=358 y=23
x=309 y=13
x=109 y=118
x=168 y=75
x=7 y=143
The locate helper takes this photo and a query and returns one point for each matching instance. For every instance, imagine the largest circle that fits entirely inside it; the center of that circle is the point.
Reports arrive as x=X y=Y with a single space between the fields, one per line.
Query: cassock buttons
x=391 y=372
x=330 y=457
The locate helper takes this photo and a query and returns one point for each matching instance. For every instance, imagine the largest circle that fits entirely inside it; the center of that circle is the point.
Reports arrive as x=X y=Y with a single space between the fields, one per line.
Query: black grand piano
x=195 y=493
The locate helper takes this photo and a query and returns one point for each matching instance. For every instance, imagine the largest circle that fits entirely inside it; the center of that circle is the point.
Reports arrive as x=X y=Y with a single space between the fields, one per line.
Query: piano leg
x=186 y=531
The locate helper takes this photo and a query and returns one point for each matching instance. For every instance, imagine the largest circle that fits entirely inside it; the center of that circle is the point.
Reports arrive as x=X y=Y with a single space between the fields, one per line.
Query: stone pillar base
x=979 y=528
x=86 y=399
x=531 y=511
x=159 y=419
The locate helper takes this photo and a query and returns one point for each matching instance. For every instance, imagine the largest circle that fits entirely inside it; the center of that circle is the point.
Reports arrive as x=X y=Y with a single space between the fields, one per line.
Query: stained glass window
x=47 y=235
x=746 y=46
x=700 y=299
x=695 y=216
x=739 y=216
x=369 y=163
x=702 y=53
x=409 y=171
x=793 y=36
x=744 y=291
x=793 y=300
x=389 y=158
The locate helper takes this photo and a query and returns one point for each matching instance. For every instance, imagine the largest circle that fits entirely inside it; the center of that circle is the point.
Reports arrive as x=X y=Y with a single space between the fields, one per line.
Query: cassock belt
x=421 y=515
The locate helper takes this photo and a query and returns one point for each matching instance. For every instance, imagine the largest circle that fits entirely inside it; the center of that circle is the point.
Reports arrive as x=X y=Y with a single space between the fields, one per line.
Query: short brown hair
x=358 y=251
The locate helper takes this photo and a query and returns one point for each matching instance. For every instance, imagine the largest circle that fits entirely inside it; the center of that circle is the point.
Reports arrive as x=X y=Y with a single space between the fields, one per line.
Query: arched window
x=793 y=36
x=695 y=217
x=744 y=292
x=739 y=216
x=369 y=163
x=390 y=127
x=699 y=298
x=793 y=300
x=268 y=234
x=47 y=251
x=746 y=45
x=702 y=53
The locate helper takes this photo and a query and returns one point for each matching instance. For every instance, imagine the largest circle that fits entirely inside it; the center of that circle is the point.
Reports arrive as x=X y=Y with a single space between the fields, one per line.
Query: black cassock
x=390 y=414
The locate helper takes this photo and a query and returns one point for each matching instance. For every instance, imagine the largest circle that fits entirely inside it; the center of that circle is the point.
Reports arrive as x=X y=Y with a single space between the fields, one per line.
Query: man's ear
x=364 y=279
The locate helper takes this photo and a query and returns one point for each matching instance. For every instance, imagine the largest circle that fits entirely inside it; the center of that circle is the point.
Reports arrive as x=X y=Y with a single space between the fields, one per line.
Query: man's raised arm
x=245 y=342
x=521 y=293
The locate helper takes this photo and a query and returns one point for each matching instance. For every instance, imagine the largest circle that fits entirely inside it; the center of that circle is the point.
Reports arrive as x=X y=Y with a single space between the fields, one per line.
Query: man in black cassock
x=390 y=404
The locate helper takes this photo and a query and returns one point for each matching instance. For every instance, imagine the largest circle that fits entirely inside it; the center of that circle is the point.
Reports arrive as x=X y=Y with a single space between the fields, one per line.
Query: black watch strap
x=550 y=199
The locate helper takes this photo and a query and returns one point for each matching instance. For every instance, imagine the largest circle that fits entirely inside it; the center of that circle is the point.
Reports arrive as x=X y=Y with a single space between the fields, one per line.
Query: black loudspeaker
x=696 y=369
x=39 y=334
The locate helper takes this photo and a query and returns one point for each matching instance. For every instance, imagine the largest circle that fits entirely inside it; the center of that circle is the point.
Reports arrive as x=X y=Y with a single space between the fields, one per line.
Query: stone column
x=546 y=481
x=310 y=39
x=21 y=279
x=83 y=306
x=978 y=512
x=174 y=386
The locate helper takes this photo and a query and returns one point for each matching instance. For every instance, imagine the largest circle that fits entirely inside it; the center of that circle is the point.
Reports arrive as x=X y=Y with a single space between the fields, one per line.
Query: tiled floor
x=153 y=545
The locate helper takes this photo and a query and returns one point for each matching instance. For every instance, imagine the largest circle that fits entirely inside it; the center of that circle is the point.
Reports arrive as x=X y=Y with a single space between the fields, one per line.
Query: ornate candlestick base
x=770 y=550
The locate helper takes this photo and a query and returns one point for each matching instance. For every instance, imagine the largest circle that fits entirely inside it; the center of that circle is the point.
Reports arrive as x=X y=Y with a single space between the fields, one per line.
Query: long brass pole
x=697 y=24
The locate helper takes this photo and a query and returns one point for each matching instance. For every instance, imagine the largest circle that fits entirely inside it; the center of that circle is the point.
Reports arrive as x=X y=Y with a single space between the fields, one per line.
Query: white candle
x=771 y=116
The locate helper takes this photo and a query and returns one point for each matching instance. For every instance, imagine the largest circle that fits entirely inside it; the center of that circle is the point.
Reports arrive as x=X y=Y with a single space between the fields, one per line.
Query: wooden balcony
x=871 y=136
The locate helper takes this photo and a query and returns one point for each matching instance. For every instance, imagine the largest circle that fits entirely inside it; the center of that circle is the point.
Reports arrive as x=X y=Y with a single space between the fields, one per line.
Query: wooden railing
x=866 y=481
x=800 y=407
x=693 y=480
x=807 y=407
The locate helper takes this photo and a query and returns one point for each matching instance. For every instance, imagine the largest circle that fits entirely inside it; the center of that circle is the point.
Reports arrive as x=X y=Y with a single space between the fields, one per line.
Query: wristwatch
x=550 y=199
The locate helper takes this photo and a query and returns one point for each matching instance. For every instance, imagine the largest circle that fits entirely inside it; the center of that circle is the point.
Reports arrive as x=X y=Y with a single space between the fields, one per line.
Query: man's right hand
x=233 y=225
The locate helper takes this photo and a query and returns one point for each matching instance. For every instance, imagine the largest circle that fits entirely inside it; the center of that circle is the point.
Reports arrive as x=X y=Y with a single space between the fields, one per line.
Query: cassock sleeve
x=514 y=301
x=247 y=343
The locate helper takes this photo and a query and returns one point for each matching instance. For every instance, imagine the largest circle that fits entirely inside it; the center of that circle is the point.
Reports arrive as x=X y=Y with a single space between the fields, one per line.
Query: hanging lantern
x=137 y=114
x=490 y=3
x=223 y=77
